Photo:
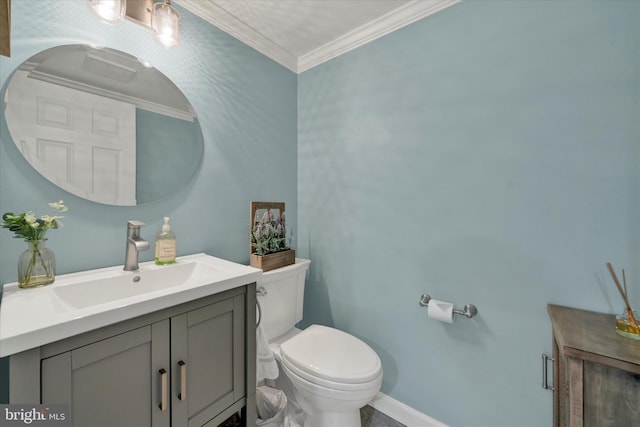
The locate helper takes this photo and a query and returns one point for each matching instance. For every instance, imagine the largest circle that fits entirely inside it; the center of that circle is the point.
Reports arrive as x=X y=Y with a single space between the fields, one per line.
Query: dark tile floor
x=369 y=416
x=372 y=418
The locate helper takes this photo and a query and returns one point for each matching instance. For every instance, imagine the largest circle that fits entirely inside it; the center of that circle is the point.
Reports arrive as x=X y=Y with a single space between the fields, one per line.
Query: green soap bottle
x=165 y=245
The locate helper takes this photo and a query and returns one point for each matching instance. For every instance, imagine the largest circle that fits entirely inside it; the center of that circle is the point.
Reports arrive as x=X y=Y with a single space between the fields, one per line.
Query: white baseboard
x=403 y=413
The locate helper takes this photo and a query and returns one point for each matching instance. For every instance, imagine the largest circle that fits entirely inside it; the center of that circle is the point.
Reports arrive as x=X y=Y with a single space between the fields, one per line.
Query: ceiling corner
x=397 y=18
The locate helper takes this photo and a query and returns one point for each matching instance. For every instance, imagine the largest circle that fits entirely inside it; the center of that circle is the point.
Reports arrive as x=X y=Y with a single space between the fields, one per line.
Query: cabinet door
x=611 y=396
x=207 y=361
x=113 y=382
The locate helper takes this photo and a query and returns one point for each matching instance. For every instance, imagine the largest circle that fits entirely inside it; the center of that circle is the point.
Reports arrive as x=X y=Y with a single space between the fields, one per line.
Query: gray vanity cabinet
x=111 y=382
x=183 y=366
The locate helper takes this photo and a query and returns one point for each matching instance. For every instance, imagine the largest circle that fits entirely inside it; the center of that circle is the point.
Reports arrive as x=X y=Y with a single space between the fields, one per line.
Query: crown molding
x=388 y=23
x=404 y=15
x=220 y=18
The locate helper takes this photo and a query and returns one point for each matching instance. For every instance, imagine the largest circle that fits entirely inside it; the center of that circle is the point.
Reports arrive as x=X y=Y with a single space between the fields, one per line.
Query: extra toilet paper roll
x=440 y=310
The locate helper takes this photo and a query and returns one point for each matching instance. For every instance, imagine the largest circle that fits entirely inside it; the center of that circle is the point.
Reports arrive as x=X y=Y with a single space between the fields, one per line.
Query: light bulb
x=109 y=11
x=165 y=21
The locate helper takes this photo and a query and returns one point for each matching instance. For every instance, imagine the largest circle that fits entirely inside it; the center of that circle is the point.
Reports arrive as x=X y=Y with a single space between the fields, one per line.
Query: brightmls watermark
x=35 y=415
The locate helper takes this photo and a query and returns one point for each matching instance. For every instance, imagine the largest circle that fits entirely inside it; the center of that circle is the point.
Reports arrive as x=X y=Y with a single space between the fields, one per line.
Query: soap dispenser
x=165 y=245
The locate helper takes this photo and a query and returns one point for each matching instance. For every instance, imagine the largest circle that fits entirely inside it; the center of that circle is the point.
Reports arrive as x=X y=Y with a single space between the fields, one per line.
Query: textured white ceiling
x=300 y=26
x=302 y=33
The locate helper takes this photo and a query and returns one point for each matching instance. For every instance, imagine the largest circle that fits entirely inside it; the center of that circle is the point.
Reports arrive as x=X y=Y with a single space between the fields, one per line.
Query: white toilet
x=333 y=373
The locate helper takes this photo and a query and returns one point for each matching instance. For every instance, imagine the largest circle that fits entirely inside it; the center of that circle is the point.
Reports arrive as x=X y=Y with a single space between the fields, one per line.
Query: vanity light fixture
x=165 y=21
x=159 y=17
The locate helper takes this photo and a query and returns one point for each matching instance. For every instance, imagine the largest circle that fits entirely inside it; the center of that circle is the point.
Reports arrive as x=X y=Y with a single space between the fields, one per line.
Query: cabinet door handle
x=183 y=380
x=545 y=382
x=163 y=380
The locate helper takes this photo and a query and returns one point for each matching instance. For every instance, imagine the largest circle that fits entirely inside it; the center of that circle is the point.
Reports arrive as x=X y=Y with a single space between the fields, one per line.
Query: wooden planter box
x=276 y=259
x=273 y=261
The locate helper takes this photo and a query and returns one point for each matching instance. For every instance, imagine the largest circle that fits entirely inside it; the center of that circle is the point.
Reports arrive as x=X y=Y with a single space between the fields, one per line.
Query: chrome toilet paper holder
x=469 y=311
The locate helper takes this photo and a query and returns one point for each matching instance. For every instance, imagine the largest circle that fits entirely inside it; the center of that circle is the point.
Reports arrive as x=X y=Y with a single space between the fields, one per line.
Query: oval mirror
x=103 y=125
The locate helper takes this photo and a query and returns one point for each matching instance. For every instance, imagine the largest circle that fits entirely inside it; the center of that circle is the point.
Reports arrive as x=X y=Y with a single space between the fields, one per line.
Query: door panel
x=205 y=341
x=113 y=382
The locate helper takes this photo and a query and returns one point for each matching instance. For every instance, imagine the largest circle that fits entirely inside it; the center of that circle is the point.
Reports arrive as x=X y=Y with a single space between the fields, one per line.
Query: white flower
x=59 y=206
x=51 y=221
x=30 y=218
x=28 y=227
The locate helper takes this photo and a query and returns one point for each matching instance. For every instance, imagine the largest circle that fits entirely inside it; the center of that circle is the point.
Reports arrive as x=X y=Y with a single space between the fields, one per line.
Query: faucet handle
x=134 y=223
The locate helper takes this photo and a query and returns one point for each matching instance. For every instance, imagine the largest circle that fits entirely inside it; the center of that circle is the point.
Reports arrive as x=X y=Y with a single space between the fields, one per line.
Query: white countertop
x=30 y=318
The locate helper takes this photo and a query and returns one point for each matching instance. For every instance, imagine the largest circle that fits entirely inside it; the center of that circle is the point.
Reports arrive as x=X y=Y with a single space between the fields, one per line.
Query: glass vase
x=36 y=265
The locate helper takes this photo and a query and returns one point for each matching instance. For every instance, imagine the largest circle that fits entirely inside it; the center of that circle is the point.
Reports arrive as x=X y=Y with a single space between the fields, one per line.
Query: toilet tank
x=281 y=306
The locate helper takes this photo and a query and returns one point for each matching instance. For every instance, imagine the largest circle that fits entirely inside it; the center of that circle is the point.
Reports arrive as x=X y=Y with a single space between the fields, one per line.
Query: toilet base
x=330 y=407
x=334 y=419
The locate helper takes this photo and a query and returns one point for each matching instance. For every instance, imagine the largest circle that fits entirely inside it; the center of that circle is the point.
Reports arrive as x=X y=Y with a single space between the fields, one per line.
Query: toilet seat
x=331 y=358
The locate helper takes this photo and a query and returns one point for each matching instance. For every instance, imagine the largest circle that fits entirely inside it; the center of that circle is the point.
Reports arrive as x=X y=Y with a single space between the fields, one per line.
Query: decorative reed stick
x=623 y=292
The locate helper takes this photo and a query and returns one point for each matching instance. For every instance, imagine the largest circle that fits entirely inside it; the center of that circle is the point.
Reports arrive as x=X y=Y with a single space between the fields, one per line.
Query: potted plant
x=36 y=265
x=270 y=245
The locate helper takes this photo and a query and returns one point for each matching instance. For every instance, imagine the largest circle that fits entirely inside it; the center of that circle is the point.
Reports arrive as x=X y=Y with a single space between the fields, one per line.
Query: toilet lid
x=333 y=355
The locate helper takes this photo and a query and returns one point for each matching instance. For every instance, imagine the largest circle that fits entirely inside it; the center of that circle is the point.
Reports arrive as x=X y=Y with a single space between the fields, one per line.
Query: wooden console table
x=596 y=372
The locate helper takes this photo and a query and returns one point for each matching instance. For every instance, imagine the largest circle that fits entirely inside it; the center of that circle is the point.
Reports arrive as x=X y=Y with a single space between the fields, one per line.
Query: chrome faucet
x=134 y=245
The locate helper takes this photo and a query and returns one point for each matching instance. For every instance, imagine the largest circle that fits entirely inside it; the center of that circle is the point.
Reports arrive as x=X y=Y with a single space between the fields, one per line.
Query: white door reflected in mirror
x=98 y=122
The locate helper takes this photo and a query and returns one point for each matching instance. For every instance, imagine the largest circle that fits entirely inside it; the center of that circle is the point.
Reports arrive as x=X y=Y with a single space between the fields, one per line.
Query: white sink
x=80 y=302
x=96 y=290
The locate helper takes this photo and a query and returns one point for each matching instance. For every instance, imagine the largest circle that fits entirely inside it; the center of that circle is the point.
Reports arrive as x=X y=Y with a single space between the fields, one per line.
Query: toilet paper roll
x=440 y=310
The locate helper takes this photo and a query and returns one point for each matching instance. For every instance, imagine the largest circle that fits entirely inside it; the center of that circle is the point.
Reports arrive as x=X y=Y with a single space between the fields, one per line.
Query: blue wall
x=246 y=105
x=489 y=155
